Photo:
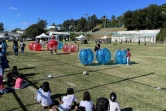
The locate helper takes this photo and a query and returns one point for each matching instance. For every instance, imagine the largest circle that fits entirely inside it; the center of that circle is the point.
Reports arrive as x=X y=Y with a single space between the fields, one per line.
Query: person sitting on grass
x=20 y=82
x=43 y=96
x=15 y=71
x=67 y=101
x=10 y=79
x=80 y=108
x=114 y=106
x=102 y=104
x=86 y=102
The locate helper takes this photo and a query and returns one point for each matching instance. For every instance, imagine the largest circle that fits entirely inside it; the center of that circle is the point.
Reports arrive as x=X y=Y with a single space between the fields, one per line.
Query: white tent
x=43 y=36
x=2 y=37
x=105 y=37
x=81 y=37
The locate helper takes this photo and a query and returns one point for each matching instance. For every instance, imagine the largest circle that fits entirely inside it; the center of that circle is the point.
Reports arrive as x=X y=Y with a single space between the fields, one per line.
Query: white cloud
x=24 y=23
x=18 y=14
x=13 y=8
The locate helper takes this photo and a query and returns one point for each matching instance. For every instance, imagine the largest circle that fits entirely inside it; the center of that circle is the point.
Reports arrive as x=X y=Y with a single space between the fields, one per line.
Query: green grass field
x=135 y=85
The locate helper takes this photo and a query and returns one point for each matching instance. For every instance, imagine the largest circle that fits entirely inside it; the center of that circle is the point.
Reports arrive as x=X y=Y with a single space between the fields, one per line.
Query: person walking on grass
x=139 y=42
x=15 y=47
x=128 y=56
x=22 y=45
x=4 y=46
x=51 y=49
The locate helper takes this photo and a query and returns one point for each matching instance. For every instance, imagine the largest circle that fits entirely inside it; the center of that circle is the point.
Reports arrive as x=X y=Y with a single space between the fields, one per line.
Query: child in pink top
x=20 y=83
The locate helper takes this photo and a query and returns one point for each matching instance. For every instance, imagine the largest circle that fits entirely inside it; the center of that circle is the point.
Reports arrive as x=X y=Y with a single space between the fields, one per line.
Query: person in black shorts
x=97 y=47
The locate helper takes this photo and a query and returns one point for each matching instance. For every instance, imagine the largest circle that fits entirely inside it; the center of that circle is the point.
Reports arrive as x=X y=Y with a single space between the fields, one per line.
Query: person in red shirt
x=128 y=56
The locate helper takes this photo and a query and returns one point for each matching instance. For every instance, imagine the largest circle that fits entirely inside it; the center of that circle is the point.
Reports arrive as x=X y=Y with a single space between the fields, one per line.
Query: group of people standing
x=15 y=47
x=4 y=46
x=69 y=101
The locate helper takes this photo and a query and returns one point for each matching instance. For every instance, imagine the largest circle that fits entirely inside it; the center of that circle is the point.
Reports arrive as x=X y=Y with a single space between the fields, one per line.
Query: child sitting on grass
x=20 y=82
x=102 y=104
x=114 y=106
x=86 y=102
x=43 y=96
x=67 y=100
x=10 y=79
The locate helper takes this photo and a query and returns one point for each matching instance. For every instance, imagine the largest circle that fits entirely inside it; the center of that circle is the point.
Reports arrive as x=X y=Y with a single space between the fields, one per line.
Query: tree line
x=151 y=17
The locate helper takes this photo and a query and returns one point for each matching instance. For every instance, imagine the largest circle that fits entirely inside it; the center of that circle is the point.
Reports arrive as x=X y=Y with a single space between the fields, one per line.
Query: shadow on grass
x=26 y=68
x=127 y=109
x=114 y=63
x=123 y=79
x=25 y=105
x=19 y=53
x=74 y=74
x=62 y=53
x=31 y=74
x=163 y=89
x=19 y=101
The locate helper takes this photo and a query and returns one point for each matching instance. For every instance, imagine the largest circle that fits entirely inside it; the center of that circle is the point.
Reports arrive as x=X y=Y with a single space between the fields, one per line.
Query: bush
x=161 y=35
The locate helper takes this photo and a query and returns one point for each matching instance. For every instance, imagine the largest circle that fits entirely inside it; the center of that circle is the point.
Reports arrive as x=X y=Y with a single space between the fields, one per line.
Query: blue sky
x=22 y=13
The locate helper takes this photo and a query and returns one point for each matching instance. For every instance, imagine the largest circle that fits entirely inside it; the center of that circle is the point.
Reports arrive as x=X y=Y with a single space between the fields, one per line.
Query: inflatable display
x=74 y=48
x=37 y=47
x=31 y=45
x=60 y=45
x=103 y=56
x=121 y=57
x=67 y=48
x=54 y=44
x=86 y=56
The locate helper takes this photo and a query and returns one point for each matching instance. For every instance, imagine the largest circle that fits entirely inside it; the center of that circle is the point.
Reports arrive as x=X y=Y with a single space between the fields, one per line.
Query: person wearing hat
x=128 y=56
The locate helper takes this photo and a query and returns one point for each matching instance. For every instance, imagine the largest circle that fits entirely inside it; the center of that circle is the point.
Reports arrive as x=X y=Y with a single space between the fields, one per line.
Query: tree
x=163 y=8
x=81 y=25
x=53 y=24
x=93 y=21
x=127 y=19
x=15 y=30
x=42 y=23
x=120 y=20
x=71 y=25
x=154 y=16
x=161 y=36
x=36 y=29
x=1 y=26
x=66 y=24
x=104 y=18
x=114 y=22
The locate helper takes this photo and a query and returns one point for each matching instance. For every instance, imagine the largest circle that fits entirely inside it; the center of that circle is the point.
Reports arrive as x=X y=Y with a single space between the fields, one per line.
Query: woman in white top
x=67 y=100
x=114 y=106
x=86 y=102
x=43 y=95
